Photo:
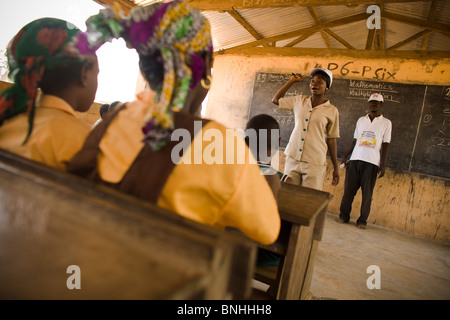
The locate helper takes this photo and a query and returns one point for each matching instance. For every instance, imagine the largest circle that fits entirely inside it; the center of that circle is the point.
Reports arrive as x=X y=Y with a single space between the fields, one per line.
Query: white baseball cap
x=328 y=72
x=376 y=97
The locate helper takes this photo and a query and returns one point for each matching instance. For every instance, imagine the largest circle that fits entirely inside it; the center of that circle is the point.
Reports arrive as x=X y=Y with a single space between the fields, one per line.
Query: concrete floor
x=409 y=268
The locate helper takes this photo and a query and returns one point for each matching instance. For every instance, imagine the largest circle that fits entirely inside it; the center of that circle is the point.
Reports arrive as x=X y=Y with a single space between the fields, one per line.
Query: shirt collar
x=379 y=117
x=54 y=102
x=325 y=104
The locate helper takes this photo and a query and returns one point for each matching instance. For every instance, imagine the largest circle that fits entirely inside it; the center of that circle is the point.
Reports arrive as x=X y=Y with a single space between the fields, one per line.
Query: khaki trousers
x=304 y=173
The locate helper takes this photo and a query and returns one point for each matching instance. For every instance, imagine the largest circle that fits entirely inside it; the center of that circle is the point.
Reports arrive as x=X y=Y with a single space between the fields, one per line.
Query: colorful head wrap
x=42 y=44
x=176 y=30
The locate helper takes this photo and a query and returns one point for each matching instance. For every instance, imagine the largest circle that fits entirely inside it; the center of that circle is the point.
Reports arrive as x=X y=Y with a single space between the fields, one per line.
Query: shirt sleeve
x=333 y=125
x=287 y=103
x=252 y=207
x=356 y=132
x=59 y=141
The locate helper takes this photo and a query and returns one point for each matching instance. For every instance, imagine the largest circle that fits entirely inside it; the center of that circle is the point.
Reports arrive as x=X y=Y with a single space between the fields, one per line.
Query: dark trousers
x=359 y=174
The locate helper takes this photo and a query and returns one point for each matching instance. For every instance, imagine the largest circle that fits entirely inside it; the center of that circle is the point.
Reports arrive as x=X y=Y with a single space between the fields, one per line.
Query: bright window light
x=118 y=65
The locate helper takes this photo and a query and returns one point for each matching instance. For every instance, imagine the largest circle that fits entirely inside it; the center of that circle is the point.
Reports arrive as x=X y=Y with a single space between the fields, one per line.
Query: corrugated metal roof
x=227 y=32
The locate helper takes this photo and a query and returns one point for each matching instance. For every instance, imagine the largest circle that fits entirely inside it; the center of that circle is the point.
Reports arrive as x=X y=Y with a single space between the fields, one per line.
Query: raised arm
x=282 y=91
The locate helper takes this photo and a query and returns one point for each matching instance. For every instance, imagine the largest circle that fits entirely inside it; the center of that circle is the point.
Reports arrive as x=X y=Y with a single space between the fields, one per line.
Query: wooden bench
x=302 y=212
x=124 y=248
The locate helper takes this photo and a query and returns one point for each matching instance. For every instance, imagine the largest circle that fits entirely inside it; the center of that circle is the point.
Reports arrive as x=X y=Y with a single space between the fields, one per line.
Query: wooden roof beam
x=306 y=31
x=300 y=39
x=431 y=25
x=410 y=39
x=430 y=17
x=313 y=12
x=236 y=16
x=339 y=39
x=370 y=38
x=225 y=5
x=325 y=52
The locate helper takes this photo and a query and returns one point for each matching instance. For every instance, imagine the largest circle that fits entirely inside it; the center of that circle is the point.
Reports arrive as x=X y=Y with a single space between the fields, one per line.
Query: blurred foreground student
x=53 y=55
x=155 y=148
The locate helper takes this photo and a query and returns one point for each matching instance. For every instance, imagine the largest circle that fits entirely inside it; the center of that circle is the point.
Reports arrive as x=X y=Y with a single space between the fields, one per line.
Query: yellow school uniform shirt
x=221 y=195
x=57 y=133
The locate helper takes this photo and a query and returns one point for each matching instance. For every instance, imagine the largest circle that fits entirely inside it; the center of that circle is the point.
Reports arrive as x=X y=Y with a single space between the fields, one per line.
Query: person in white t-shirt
x=369 y=151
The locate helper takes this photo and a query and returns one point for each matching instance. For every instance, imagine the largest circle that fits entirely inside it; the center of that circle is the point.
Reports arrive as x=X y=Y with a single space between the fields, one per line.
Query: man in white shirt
x=369 y=151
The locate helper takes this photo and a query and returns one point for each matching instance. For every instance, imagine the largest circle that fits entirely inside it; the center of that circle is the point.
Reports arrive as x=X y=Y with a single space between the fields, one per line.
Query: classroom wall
x=406 y=202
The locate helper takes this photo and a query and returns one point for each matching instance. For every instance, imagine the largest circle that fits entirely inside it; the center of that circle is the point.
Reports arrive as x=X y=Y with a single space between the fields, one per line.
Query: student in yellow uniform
x=53 y=55
x=156 y=148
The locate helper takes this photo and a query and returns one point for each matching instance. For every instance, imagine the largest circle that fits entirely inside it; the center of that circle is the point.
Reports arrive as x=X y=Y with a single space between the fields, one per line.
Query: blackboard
x=420 y=117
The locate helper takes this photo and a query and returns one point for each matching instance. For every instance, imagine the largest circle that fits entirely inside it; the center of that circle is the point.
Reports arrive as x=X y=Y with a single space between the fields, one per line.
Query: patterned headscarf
x=180 y=33
x=42 y=44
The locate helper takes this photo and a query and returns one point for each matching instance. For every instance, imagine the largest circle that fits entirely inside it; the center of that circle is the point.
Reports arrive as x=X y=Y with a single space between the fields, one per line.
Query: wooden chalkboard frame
x=420 y=116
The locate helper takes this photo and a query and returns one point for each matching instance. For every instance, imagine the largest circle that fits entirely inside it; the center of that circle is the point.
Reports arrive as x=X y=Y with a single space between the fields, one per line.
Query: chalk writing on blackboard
x=441 y=135
x=359 y=89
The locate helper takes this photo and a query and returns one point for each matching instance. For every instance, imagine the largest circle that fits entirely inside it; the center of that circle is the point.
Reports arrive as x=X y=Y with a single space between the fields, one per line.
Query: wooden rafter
x=305 y=36
x=339 y=39
x=410 y=39
x=431 y=25
x=308 y=30
x=224 y=5
x=370 y=38
x=236 y=16
x=430 y=17
x=373 y=54
x=381 y=33
x=313 y=12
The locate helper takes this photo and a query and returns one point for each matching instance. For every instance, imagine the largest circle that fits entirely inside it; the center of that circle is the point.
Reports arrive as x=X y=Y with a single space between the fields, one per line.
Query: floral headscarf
x=179 y=32
x=42 y=44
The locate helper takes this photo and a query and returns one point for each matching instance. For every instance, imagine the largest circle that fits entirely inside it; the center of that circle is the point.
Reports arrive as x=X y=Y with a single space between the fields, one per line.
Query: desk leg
x=316 y=238
x=296 y=262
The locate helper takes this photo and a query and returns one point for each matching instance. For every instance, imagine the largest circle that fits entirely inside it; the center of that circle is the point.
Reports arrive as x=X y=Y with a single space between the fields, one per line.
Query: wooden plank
x=312 y=29
x=313 y=12
x=295 y=263
x=223 y=5
x=305 y=292
x=431 y=25
x=126 y=249
x=300 y=205
x=339 y=39
x=410 y=39
x=370 y=38
x=430 y=17
x=361 y=54
x=236 y=16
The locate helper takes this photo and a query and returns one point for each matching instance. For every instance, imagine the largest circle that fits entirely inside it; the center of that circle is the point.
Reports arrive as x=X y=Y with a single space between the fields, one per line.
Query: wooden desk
x=302 y=212
x=125 y=248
